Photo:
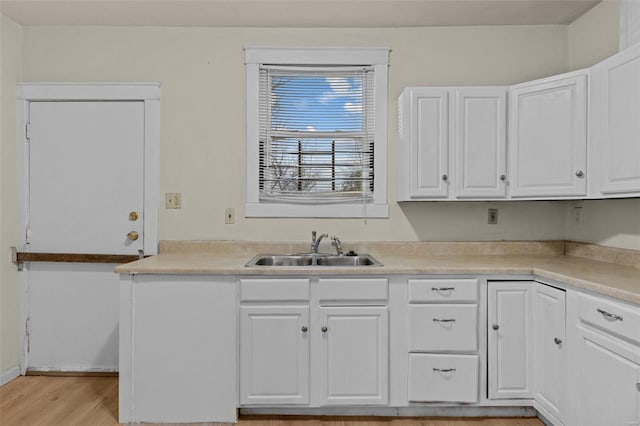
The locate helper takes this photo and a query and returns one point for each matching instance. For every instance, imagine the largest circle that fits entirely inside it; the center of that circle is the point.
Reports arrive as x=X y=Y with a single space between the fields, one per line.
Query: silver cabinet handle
x=495 y=326
x=503 y=177
x=579 y=173
x=444 y=320
x=442 y=289
x=324 y=329
x=304 y=329
x=557 y=341
x=609 y=315
x=445 y=177
x=444 y=370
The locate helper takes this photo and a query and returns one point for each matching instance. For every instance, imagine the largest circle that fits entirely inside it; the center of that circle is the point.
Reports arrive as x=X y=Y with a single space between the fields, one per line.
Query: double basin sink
x=314 y=260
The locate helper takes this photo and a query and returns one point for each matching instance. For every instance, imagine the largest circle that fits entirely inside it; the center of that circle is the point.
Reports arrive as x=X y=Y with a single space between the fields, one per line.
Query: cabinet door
x=354 y=355
x=274 y=355
x=548 y=137
x=615 y=121
x=424 y=153
x=549 y=345
x=608 y=380
x=509 y=341
x=480 y=142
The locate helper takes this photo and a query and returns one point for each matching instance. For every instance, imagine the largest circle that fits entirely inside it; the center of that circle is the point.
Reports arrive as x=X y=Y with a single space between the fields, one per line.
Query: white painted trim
x=522 y=408
x=629 y=23
x=355 y=210
x=151 y=175
x=9 y=375
x=379 y=58
x=317 y=55
x=38 y=91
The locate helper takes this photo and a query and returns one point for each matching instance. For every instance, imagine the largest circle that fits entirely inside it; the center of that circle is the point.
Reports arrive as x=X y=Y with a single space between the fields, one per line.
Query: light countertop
x=611 y=279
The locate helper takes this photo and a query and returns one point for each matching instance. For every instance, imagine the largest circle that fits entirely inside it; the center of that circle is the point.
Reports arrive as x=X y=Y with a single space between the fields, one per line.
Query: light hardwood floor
x=93 y=401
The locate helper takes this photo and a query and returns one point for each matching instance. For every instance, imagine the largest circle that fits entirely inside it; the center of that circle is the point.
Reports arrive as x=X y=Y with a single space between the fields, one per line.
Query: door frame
x=147 y=92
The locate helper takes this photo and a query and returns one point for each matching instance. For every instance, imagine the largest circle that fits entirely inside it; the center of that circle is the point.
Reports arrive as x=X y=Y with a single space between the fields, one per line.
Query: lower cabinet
x=354 y=355
x=549 y=350
x=274 y=360
x=510 y=363
x=607 y=352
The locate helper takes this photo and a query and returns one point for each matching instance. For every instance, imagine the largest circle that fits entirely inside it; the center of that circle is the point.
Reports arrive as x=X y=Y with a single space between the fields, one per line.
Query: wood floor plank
x=93 y=401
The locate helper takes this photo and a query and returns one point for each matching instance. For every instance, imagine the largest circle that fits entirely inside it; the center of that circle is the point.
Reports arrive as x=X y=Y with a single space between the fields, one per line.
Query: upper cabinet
x=452 y=143
x=548 y=137
x=615 y=123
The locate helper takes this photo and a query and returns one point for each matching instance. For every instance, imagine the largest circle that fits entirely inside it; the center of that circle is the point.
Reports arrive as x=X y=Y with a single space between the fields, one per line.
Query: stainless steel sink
x=300 y=260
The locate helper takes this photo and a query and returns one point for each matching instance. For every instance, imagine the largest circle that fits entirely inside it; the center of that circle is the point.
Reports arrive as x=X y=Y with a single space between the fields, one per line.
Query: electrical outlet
x=492 y=218
x=173 y=200
x=230 y=216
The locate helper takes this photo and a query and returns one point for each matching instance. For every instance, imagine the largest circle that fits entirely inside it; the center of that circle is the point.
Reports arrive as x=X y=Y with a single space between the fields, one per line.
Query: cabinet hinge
x=27 y=131
x=27 y=235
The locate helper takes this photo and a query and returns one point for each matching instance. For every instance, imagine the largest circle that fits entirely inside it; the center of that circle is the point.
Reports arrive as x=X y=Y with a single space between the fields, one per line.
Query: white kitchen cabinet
x=452 y=143
x=274 y=356
x=549 y=344
x=177 y=351
x=443 y=377
x=354 y=355
x=615 y=123
x=548 y=137
x=510 y=363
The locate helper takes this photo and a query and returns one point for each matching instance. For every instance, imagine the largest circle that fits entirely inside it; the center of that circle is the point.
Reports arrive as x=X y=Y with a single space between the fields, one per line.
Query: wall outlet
x=230 y=216
x=492 y=217
x=173 y=200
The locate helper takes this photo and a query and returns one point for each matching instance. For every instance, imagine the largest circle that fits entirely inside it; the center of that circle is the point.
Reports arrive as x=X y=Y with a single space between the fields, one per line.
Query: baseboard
x=441 y=411
x=9 y=375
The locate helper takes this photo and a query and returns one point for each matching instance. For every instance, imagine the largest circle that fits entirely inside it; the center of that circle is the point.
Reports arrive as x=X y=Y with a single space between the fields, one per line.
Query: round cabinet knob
x=503 y=177
x=495 y=326
x=324 y=329
x=445 y=178
x=580 y=173
x=133 y=235
x=304 y=329
x=557 y=341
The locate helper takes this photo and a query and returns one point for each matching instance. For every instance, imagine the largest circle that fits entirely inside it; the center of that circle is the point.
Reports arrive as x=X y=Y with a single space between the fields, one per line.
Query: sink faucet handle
x=338 y=245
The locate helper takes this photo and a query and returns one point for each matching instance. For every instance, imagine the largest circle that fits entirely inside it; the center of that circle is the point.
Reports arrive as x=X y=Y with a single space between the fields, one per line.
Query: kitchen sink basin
x=321 y=260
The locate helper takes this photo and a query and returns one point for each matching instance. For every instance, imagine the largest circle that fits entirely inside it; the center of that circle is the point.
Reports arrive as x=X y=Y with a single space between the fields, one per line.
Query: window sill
x=373 y=211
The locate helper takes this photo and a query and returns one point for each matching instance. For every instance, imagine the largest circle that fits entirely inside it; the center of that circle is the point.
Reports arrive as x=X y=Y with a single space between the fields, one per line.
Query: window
x=316 y=132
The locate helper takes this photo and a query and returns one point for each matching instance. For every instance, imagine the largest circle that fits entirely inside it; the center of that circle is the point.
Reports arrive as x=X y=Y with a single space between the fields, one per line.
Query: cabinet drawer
x=370 y=290
x=443 y=378
x=288 y=289
x=443 y=328
x=616 y=317
x=434 y=291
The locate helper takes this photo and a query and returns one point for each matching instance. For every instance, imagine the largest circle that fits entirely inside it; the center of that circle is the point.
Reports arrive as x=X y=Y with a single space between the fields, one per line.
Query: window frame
x=378 y=58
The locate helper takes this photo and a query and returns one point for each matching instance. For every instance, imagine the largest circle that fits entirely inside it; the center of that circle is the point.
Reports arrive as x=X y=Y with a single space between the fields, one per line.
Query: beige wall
x=595 y=35
x=203 y=128
x=10 y=71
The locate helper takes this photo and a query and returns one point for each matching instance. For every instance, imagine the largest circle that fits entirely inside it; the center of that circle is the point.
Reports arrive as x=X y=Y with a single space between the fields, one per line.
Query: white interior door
x=86 y=171
x=86 y=176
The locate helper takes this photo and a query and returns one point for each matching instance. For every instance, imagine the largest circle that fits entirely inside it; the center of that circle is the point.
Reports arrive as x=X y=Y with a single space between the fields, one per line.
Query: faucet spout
x=315 y=242
x=338 y=245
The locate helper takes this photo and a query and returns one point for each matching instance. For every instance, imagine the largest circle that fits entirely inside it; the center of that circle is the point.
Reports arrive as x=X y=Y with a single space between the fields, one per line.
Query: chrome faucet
x=316 y=242
x=336 y=242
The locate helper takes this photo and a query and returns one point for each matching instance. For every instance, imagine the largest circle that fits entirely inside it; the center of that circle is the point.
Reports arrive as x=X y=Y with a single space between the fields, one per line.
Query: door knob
x=133 y=216
x=133 y=235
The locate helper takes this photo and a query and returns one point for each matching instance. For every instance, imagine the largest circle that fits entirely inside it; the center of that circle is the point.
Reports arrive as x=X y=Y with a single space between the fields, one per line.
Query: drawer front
x=370 y=290
x=280 y=290
x=444 y=290
x=443 y=328
x=451 y=378
x=617 y=318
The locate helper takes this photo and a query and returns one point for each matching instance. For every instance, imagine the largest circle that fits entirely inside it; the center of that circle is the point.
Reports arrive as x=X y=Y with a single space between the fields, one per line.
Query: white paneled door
x=84 y=193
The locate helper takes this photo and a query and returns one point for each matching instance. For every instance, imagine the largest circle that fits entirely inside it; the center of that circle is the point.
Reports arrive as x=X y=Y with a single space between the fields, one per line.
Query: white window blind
x=316 y=134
